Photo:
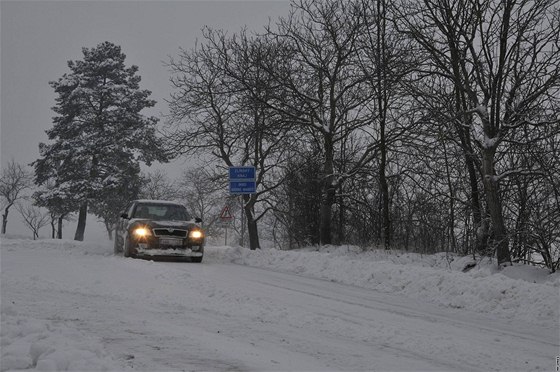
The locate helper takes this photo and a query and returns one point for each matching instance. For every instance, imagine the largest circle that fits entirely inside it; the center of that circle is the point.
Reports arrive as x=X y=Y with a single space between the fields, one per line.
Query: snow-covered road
x=69 y=306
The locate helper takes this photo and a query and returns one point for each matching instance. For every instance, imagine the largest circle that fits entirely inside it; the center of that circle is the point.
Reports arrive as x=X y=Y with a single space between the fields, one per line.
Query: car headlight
x=141 y=232
x=195 y=234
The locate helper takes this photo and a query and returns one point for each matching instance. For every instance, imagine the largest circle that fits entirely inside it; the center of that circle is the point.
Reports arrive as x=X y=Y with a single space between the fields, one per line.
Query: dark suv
x=157 y=229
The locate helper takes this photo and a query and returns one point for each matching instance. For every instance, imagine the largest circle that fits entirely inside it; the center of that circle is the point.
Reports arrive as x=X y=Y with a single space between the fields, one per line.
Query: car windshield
x=161 y=212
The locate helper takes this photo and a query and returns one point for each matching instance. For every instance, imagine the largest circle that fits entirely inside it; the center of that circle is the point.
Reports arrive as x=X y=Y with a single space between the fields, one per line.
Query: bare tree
x=203 y=194
x=386 y=58
x=33 y=218
x=502 y=58
x=219 y=109
x=15 y=180
x=158 y=186
x=322 y=89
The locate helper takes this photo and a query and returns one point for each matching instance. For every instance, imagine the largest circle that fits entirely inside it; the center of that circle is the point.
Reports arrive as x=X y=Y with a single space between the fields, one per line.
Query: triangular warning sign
x=226 y=214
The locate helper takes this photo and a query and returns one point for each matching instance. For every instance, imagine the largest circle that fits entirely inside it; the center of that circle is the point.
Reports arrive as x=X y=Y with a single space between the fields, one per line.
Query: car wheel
x=196 y=259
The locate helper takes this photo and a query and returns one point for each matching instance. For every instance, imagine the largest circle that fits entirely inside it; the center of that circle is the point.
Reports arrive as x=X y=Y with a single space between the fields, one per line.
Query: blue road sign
x=241 y=173
x=242 y=180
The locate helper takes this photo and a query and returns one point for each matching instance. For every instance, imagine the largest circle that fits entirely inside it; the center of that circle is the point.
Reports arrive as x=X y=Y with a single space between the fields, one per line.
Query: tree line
x=192 y=188
x=430 y=125
x=427 y=126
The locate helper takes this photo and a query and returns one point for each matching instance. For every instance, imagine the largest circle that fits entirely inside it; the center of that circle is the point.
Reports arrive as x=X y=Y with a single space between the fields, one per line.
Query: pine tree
x=99 y=135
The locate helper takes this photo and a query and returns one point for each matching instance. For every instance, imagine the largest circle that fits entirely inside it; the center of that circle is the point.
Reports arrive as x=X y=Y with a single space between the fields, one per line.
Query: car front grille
x=170 y=233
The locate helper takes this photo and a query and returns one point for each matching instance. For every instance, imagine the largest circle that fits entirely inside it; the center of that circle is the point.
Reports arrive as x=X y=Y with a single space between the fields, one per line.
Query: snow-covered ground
x=519 y=292
x=74 y=306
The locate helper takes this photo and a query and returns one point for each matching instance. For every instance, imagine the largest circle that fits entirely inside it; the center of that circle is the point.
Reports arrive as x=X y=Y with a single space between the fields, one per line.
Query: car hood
x=179 y=225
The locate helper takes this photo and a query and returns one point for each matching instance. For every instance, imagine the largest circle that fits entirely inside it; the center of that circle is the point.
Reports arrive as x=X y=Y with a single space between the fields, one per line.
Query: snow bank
x=519 y=292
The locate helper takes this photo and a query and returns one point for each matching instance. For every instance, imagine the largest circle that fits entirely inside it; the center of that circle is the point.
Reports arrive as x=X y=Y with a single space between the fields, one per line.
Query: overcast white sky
x=39 y=37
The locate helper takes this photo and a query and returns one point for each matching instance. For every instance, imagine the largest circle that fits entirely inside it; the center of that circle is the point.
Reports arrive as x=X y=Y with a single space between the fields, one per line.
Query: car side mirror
x=124 y=215
x=197 y=219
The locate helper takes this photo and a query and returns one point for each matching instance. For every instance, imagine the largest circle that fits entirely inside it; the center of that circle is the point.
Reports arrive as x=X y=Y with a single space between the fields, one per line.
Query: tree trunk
x=386 y=224
x=451 y=241
x=462 y=105
x=519 y=244
x=491 y=188
x=341 y=236
x=253 y=233
x=110 y=228
x=53 y=228
x=329 y=191
x=5 y=218
x=382 y=102
x=291 y=223
x=326 y=216
x=82 y=216
x=479 y=239
x=59 y=232
x=251 y=224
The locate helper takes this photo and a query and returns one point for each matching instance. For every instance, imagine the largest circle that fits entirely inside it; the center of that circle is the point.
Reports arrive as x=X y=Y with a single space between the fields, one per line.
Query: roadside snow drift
x=518 y=292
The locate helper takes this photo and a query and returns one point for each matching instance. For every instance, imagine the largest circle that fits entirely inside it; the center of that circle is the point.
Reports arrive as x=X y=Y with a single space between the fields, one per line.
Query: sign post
x=225 y=218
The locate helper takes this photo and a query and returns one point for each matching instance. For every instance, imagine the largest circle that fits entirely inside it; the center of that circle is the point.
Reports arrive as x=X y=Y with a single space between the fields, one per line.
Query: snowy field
x=74 y=306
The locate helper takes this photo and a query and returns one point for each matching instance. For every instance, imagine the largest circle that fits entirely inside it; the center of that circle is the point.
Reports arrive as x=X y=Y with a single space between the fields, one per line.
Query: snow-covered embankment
x=519 y=292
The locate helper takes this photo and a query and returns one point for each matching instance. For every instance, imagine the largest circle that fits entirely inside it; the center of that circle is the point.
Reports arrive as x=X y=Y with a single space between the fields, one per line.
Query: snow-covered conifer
x=99 y=134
